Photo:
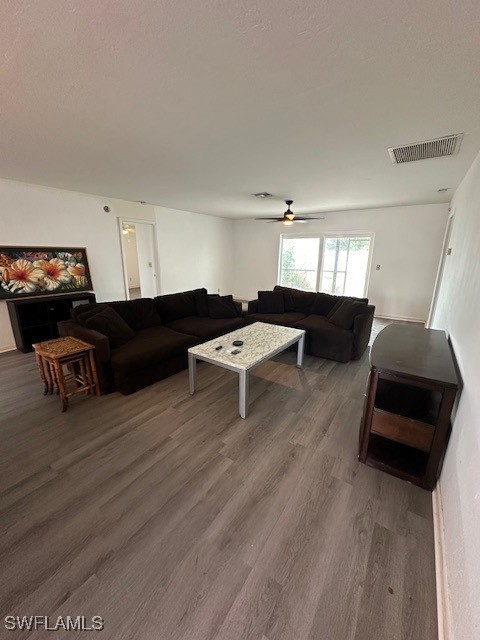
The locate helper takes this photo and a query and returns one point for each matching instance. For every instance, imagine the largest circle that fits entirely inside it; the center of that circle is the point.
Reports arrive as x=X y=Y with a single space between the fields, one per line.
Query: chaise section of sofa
x=157 y=335
x=314 y=312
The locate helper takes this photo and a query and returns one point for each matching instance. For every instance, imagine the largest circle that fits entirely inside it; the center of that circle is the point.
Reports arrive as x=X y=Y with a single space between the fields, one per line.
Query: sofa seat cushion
x=325 y=340
x=206 y=328
x=149 y=348
x=284 y=319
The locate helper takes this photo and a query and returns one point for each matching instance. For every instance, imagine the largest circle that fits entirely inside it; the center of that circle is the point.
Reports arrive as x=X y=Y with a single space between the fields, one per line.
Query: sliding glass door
x=345 y=265
x=333 y=264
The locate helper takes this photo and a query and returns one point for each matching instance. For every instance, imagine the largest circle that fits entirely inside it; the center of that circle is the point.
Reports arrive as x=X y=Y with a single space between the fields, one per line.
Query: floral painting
x=32 y=272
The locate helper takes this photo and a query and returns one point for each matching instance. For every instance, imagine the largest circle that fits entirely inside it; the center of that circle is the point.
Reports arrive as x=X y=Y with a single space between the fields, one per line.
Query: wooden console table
x=77 y=356
x=411 y=391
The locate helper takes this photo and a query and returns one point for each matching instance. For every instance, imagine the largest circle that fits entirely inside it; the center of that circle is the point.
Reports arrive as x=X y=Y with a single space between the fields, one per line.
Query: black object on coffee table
x=237 y=343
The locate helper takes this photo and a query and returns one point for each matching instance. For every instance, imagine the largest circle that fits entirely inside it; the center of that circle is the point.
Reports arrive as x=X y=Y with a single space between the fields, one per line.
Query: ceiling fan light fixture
x=288 y=221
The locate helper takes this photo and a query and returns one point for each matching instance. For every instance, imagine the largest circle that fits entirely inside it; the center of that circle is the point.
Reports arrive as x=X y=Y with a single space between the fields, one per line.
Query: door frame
x=135 y=221
x=441 y=266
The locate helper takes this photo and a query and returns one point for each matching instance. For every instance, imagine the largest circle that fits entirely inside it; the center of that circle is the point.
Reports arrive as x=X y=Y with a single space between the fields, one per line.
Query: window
x=332 y=264
x=299 y=263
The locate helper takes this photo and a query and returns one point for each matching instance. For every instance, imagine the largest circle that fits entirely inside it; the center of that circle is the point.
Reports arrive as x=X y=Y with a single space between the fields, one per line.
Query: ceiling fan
x=289 y=217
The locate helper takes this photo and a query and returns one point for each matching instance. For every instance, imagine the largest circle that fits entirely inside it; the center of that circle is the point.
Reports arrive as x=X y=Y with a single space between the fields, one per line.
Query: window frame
x=322 y=237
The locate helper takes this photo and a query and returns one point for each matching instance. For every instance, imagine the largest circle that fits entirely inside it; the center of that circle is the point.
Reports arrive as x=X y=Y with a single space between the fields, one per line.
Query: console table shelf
x=411 y=391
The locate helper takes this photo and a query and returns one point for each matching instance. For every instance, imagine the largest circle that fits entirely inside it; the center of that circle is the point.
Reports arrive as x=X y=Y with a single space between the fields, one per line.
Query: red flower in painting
x=22 y=276
x=54 y=271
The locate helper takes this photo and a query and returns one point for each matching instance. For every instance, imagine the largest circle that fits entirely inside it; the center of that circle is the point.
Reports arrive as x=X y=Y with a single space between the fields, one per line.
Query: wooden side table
x=54 y=356
x=412 y=388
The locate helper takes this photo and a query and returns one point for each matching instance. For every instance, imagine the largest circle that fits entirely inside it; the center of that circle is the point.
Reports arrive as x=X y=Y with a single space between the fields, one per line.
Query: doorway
x=137 y=239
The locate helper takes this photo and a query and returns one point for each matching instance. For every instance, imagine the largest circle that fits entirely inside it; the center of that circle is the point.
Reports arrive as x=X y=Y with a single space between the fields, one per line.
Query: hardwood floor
x=174 y=519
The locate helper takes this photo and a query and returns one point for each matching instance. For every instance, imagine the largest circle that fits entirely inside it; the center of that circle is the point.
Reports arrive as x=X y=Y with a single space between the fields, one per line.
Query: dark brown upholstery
x=271 y=302
x=206 y=328
x=156 y=351
x=146 y=353
x=325 y=340
x=283 y=319
x=111 y=325
x=362 y=327
x=178 y=305
x=220 y=307
x=138 y=314
x=303 y=300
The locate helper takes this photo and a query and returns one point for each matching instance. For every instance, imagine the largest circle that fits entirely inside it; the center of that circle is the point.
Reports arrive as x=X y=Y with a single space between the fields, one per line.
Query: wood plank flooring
x=174 y=519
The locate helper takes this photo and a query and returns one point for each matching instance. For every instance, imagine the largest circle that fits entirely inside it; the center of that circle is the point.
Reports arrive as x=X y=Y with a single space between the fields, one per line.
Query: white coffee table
x=261 y=341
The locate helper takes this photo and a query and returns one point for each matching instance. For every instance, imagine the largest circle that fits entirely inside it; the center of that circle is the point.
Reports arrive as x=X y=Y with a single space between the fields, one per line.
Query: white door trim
x=441 y=267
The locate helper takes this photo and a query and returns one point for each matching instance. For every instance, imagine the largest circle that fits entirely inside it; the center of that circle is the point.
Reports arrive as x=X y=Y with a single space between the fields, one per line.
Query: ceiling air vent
x=446 y=146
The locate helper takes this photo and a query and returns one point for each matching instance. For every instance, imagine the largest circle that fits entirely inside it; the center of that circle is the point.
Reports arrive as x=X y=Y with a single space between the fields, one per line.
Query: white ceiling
x=196 y=105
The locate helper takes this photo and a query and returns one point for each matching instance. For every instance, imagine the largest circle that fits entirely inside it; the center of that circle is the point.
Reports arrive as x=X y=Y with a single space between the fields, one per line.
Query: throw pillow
x=201 y=302
x=341 y=299
x=82 y=312
x=323 y=304
x=271 y=302
x=111 y=325
x=346 y=313
x=221 y=307
x=288 y=300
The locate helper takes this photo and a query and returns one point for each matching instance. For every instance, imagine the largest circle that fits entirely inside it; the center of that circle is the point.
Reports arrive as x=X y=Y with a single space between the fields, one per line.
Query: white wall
x=407 y=246
x=35 y=216
x=458 y=312
x=194 y=250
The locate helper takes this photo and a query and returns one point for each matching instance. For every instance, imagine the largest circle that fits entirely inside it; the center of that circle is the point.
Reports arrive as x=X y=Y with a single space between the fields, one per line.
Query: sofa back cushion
x=222 y=307
x=303 y=300
x=346 y=313
x=323 y=304
x=271 y=302
x=138 y=314
x=175 y=306
x=110 y=324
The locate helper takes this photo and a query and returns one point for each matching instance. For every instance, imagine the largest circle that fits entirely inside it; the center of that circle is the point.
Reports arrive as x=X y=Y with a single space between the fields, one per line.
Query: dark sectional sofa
x=139 y=342
x=147 y=340
x=337 y=327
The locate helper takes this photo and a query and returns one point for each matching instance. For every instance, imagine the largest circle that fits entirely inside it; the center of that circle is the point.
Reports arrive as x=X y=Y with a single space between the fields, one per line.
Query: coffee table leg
x=300 y=351
x=243 y=394
x=192 y=372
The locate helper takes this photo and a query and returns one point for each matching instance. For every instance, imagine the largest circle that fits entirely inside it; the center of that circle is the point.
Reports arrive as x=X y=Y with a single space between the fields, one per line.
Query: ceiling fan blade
x=271 y=219
x=307 y=218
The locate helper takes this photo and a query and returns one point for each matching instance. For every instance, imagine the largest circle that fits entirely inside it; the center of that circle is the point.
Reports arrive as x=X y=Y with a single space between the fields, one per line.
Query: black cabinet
x=35 y=319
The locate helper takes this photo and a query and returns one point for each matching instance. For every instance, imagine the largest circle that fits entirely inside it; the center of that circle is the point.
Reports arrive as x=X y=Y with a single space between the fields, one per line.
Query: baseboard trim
x=403 y=318
x=5 y=349
x=443 y=613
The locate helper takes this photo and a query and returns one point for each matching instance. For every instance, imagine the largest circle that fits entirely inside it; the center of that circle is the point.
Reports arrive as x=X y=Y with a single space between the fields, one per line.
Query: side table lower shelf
x=397 y=459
